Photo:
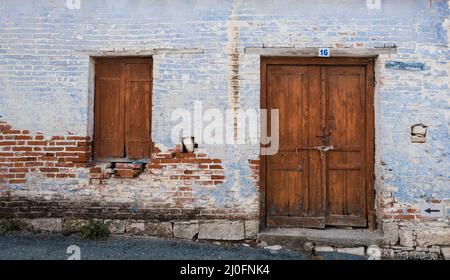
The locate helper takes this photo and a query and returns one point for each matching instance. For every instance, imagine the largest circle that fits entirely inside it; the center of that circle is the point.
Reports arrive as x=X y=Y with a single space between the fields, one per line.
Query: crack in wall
x=233 y=66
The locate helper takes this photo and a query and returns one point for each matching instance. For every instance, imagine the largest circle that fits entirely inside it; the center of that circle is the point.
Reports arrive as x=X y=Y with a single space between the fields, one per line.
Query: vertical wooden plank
x=107 y=127
x=325 y=132
x=315 y=166
x=123 y=90
x=138 y=109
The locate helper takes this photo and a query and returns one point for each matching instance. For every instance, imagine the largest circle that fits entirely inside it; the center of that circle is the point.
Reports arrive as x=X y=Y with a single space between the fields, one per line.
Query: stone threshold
x=295 y=238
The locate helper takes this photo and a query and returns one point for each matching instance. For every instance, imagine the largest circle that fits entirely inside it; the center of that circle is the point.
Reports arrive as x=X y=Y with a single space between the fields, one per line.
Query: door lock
x=325 y=148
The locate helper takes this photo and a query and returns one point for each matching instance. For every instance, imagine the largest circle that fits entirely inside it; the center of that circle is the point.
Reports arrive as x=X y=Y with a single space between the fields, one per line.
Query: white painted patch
x=73 y=4
x=429 y=210
x=374 y=4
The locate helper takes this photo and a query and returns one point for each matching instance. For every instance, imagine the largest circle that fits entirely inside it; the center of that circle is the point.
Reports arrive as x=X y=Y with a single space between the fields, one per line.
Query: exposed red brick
x=22 y=159
x=13 y=170
x=78 y=138
x=64 y=164
x=64 y=143
x=95 y=170
x=65 y=175
x=45 y=169
x=170 y=160
x=22 y=149
x=214 y=166
x=34 y=164
x=185 y=155
x=77 y=149
x=48 y=158
x=156 y=166
x=6 y=154
x=98 y=176
x=126 y=173
x=11 y=132
x=8 y=143
x=82 y=144
x=17 y=181
x=53 y=149
x=37 y=143
x=23 y=137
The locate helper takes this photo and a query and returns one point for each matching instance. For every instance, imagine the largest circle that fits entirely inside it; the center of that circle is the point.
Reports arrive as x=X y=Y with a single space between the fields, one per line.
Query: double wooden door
x=322 y=172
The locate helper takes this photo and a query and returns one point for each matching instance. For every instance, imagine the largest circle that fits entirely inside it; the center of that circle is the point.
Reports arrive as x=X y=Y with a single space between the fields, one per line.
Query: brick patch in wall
x=22 y=152
x=168 y=166
x=59 y=157
x=202 y=170
x=254 y=168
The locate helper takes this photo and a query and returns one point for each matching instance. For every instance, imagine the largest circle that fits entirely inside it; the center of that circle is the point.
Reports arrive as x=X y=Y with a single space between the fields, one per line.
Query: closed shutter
x=138 y=109
x=109 y=110
x=123 y=108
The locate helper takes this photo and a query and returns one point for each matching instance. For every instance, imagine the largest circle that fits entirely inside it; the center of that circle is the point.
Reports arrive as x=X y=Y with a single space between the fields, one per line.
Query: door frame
x=368 y=62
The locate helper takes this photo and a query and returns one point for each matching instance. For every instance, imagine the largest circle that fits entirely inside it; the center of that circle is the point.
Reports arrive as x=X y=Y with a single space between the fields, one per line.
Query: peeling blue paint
x=400 y=65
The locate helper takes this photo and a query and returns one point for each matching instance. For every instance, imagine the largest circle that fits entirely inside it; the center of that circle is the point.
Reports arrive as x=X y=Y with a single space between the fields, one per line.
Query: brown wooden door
x=122 y=108
x=319 y=105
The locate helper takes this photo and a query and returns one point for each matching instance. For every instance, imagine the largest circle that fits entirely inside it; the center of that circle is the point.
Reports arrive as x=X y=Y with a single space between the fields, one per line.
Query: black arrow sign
x=429 y=210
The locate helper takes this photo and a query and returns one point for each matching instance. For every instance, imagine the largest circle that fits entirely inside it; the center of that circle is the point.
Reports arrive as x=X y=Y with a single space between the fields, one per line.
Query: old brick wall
x=198 y=52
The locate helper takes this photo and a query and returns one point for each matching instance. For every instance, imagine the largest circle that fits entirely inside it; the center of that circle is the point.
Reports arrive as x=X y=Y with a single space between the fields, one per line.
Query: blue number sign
x=324 y=52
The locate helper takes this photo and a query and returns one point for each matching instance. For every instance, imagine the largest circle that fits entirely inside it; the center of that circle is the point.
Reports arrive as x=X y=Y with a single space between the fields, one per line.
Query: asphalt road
x=54 y=247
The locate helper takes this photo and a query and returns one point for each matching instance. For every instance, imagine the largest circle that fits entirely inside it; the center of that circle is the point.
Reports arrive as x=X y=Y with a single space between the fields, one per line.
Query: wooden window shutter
x=138 y=108
x=123 y=108
x=109 y=111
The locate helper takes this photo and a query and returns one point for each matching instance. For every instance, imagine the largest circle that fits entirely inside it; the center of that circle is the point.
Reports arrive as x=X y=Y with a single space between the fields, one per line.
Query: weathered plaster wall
x=45 y=82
